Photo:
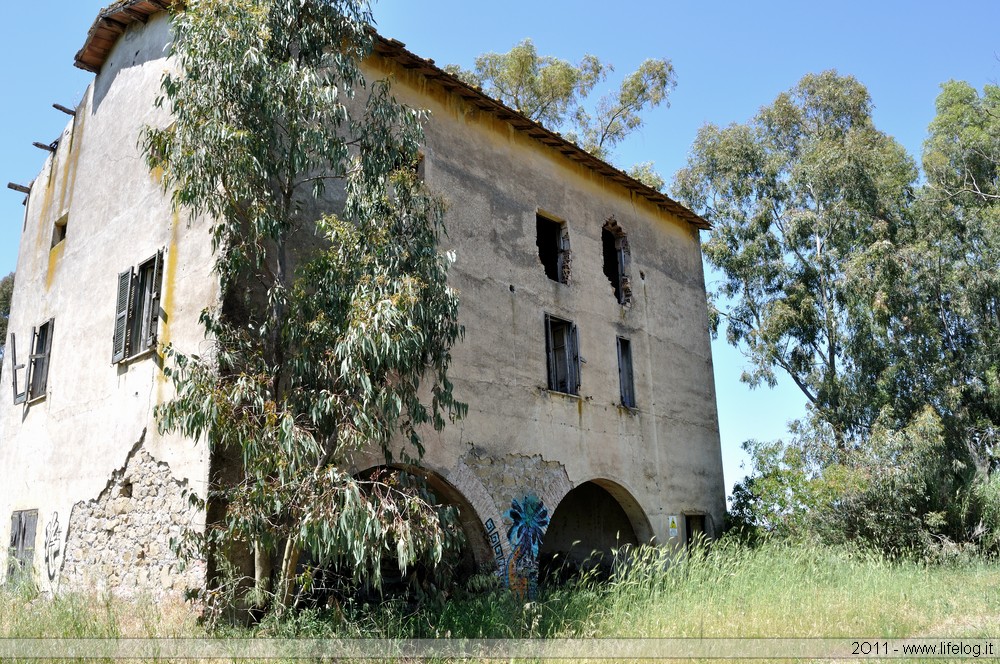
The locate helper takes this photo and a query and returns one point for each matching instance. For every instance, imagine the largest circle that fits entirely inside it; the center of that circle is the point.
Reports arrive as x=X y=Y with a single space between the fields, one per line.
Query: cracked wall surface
x=522 y=446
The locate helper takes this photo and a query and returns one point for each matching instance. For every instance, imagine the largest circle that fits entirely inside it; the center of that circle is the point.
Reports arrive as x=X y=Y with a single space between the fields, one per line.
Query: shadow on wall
x=136 y=47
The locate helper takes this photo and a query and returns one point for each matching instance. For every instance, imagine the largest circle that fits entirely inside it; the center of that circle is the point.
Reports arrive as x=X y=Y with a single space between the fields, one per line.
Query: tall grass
x=781 y=590
x=26 y=614
x=777 y=590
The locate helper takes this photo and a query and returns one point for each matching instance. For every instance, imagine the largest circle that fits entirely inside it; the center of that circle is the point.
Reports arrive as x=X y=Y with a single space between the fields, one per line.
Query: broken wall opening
x=616 y=254
x=552 y=239
x=589 y=523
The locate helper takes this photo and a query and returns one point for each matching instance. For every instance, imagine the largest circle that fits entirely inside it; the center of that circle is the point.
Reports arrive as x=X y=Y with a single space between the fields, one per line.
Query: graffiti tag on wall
x=529 y=518
x=53 y=546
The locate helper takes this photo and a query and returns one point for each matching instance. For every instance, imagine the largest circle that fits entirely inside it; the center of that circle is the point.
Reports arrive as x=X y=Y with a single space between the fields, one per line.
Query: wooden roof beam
x=112 y=25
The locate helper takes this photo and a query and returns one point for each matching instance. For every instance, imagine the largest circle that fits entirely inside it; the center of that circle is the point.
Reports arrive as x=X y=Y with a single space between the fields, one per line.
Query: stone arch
x=590 y=521
x=476 y=552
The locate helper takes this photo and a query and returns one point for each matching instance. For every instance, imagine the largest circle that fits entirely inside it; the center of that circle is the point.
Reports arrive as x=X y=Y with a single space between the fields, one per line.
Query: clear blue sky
x=731 y=58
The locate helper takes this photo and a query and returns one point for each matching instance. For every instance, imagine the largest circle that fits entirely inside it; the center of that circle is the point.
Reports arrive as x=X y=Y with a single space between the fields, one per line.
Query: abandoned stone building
x=586 y=361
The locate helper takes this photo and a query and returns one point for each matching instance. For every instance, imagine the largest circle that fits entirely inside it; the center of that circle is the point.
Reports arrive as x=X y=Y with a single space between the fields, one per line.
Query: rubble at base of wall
x=121 y=542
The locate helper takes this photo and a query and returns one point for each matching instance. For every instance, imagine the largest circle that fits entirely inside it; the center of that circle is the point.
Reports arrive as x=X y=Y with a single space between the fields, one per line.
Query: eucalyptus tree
x=879 y=298
x=344 y=349
x=960 y=241
x=554 y=93
x=801 y=198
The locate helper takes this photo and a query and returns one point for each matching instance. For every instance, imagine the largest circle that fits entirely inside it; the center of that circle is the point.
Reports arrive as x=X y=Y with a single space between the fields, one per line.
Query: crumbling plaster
x=665 y=453
x=519 y=440
x=64 y=447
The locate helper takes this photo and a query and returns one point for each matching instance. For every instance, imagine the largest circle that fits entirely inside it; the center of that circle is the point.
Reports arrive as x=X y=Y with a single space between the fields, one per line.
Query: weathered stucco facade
x=574 y=281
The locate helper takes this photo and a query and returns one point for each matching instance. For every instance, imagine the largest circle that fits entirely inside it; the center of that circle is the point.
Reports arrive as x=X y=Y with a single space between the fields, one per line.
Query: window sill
x=33 y=400
x=142 y=355
x=568 y=395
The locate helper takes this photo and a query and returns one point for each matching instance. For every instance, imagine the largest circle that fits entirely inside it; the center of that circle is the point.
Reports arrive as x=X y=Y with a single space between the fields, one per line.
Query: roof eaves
x=112 y=21
x=396 y=50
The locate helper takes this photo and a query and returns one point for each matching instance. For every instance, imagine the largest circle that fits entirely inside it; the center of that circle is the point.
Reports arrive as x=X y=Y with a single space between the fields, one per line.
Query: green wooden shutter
x=550 y=364
x=121 y=315
x=625 y=374
x=574 y=364
x=39 y=359
x=154 y=305
x=22 y=395
x=22 y=543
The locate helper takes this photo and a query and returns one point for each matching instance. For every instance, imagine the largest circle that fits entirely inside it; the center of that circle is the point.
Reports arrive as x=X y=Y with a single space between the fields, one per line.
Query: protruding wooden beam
x=67 y=111
x=19 y=187
x=135 y=16
x=43 y=146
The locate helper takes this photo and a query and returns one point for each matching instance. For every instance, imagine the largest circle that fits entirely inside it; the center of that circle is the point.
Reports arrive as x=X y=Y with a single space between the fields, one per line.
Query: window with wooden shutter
x=626 y=380
x=23 y=524
x=20 y=396
x=38 y=371
x=121 y=315
x=552 y=240
x=562 y=355
x=137 y=310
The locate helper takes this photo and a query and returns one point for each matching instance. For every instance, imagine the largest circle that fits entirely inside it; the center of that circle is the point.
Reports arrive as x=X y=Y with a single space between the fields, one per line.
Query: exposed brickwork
x=121 y=541
x=515 y=475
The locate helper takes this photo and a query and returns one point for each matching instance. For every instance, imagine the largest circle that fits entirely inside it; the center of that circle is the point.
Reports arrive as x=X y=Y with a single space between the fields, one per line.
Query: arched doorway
x=474 y=551
x=591 y=521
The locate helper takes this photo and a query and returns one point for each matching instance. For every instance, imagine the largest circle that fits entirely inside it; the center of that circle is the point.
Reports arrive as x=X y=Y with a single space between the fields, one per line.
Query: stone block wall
x=124 y=540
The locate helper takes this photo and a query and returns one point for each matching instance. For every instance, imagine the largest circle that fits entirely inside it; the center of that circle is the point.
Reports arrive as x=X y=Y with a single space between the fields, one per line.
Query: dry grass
x=25 y=614
x=801 y=591
x=778 y=590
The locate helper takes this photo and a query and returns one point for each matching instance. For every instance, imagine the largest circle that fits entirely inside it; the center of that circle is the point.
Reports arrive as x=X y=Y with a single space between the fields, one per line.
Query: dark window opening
x=59 y=230
x=562 y=350
x=694 y=526
x=137 y=309
x=615 y=250
x=22 y=544
x=552 y=239
x=625 y=379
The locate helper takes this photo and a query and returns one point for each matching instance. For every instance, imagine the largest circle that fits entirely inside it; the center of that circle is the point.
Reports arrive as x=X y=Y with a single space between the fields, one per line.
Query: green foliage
x=645 y=173
x=795 y=196
x=877 y=297
x=619 y=114
x=553 y=92
x=334 y=332
x=544 y=88
x=6 y=292
x=788 y=496
x=778 y=590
